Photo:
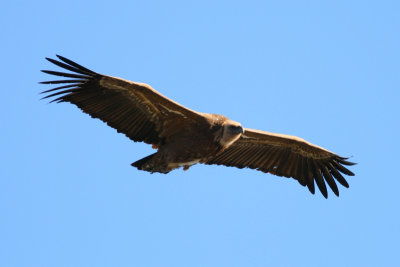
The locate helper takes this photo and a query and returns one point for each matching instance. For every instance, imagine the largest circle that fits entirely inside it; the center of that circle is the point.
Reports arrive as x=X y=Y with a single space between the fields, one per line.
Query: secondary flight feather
x=184 y=137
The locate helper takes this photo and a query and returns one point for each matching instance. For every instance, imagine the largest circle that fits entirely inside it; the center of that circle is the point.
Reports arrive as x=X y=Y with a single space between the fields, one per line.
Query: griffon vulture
x=184 y=137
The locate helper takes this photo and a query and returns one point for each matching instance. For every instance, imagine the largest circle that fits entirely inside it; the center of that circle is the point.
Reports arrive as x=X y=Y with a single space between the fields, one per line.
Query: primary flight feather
x=184 y=137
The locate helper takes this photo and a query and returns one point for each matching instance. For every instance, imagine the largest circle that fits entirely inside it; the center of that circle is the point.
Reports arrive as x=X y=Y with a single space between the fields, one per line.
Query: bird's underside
x=184 y=137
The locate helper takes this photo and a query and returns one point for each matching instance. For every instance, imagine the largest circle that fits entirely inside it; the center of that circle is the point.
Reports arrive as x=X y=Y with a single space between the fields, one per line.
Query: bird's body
x=184 y=137
x=197 y=143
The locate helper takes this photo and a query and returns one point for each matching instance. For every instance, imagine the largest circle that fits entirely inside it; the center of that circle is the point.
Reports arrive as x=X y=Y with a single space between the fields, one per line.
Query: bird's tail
x=152 y=163
x=143 y=164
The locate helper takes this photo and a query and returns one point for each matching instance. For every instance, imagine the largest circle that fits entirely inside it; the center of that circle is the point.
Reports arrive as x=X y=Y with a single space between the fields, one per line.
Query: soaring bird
x=184 y=137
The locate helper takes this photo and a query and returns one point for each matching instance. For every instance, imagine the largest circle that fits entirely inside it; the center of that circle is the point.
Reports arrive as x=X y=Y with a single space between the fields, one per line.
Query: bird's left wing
x=287 y=156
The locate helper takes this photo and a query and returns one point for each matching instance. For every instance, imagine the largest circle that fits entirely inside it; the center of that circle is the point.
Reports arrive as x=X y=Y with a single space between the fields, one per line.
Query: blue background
x=326 y=71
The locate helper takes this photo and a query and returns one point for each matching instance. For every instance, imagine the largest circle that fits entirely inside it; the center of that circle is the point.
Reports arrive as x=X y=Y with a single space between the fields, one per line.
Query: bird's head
x=231 y=132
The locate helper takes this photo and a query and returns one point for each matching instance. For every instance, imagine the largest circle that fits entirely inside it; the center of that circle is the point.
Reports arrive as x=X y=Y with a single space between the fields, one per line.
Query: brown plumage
x=184 y=137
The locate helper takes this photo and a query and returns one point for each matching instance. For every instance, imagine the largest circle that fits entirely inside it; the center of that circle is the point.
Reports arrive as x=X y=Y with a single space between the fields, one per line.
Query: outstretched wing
x=288 y=156
x=135 y=109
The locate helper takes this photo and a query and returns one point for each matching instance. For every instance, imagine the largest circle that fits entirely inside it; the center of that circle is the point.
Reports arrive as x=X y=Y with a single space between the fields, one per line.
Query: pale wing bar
x=117 y=108
x=293 y=158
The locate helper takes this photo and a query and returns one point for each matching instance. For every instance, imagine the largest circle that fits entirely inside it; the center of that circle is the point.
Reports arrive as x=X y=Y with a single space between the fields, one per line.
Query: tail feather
x=141 y=162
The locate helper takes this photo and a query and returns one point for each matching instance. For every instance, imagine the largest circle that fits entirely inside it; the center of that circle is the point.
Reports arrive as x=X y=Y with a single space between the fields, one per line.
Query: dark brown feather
x=61 y=81
x=58 y=88
x=68 y=67
x=300 y=173
x=308 y=173
x=63 y=74
x=319 y=179
x=329 y=179
x=341 y=168
x=338 y=176
x=131 y=108
x=283 y=163
x=143 y=114
x=287 y=156
x=76 y=65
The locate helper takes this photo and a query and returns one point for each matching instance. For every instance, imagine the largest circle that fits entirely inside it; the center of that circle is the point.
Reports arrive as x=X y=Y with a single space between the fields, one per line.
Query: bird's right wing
x=288 y=156
x=135 y=109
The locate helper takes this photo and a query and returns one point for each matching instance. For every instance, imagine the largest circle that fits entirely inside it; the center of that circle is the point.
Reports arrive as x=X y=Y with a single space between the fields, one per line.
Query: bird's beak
x=240 y=130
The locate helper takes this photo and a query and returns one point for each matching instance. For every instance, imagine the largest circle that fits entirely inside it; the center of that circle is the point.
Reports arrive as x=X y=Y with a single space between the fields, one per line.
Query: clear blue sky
x=327 y=71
